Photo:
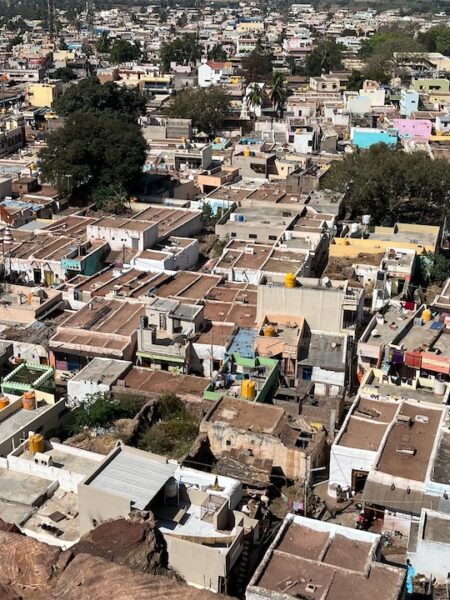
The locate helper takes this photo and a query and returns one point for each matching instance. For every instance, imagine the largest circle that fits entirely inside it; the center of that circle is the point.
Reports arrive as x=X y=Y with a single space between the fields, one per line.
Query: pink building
x=413 y=128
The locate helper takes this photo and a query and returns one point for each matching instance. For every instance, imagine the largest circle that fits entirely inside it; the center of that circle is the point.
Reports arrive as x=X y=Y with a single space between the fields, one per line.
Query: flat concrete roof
x=22 y=488
x=20 y=420
x=104 y=370
x=253 y=416
x=419 y=436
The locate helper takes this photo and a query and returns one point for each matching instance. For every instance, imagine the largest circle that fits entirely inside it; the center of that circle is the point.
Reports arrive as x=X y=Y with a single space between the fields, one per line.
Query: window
x=272 y=237
x=253 y=236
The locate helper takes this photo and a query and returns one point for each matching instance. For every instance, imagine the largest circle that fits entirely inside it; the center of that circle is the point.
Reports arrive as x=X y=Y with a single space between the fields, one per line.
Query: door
x=359 y=480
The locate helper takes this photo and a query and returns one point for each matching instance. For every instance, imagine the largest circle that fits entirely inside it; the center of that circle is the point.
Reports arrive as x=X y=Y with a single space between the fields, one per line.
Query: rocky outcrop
x=135 y=543
x=32 y=570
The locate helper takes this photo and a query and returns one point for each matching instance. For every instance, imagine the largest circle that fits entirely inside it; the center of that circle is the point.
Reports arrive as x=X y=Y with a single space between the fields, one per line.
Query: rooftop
x=250 y=416
x=104 y=370
x=132 y=474
x=321 y=561
x=409 y=444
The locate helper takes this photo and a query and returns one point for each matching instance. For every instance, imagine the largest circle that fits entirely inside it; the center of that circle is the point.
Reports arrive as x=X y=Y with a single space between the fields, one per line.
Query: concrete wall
x=201 y=566
x=96 y=505
x=68 y=480
x=344 y=460
x=44 y=422
x=321 y=308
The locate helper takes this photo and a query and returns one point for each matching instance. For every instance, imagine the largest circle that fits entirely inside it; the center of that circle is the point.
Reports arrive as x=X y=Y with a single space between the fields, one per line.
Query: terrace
x=237 y=369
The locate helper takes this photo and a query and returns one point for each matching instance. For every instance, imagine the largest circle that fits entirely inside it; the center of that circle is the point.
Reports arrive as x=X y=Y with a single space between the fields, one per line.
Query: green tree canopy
x=184 y=50
x=66 y=74
x=217 y=53
x=325 y=57
x=389 y=183
x=103 y=45
x=207 y=107
x=123 y=51
x=257 y=66
x=93 y=150
x=436 y=39
x=91 y=96
x=385 y=44
x=112 y=199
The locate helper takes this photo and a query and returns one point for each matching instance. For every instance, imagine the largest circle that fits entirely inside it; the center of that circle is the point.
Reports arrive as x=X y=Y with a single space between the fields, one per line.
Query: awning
x=398 y=499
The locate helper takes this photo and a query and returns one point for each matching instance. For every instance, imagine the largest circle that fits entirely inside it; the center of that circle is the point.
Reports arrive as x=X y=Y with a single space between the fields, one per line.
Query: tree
x=433 y=268
x=254 y=98
x=385 y=44
x=436 y=39
x=103 y=45
x=278 y=93
x=112 y=199
x=257 y=67
x=217 y=53
x=123 y=51
x=100 y=410
x=388 y=183
x=184 y=50
x=325 y=57
x=207 y=107
x=91 y=96
x=62 y=44
x=378 y=68
x=91 y=151
x=355 y=81
x=182 y=20
x=66 y=74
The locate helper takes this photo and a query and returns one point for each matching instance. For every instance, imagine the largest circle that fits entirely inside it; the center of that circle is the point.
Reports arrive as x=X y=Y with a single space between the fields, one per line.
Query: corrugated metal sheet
x=398 y=498
x=135 y=477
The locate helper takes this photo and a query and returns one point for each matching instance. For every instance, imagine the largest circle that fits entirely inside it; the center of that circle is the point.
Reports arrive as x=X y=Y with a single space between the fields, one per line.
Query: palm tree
x=278 y=94
x=254 y=99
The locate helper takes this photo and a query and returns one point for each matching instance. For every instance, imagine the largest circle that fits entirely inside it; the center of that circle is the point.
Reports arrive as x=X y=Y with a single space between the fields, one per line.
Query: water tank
x=354 y=227
x=270 y=331
x=29 y=401
x=427 y=315
x=290 y=281
x=233 y=217
x=439 y=387
x=248 y=389
x=247 y=152
x=3 y=402
x=36 y=443
x=241 y=218
x=171 y=488
x=288 y=235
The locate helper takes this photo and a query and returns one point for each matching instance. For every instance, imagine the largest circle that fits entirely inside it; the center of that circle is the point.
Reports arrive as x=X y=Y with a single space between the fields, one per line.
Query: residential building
x=195 y=511
x=243 y=430
x=314 y=559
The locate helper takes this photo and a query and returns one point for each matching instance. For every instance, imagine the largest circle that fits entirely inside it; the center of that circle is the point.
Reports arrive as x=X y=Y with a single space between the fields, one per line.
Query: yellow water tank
x=36 y=443
x=3 y=402
x=29 y=401
x=290 y=281
x=247 y=152
x=427 y=315
x=248 y=389
x=270 y=331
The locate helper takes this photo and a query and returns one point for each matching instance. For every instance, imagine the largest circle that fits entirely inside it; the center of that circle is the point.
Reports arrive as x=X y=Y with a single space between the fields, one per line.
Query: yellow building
x=421 y=238
x=43 y=95
x=250 y=26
